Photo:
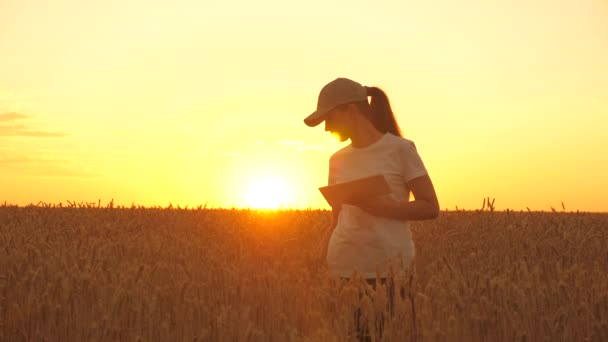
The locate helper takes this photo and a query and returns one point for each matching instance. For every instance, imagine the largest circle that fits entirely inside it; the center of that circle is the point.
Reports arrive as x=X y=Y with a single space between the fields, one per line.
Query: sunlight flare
x=268 y=193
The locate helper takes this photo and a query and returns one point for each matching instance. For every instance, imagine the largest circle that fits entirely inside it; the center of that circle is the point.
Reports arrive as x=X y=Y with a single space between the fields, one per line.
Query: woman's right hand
x=320 y=252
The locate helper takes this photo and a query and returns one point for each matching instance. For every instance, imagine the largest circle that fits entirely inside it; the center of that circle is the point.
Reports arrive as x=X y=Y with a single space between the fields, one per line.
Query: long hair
x=378 y=111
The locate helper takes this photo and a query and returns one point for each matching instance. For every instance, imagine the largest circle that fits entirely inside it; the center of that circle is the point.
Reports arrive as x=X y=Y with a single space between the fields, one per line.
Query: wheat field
x=92 y=273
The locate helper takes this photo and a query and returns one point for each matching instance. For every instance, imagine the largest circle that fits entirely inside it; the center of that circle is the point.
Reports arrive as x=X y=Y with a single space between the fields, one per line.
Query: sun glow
x=268 y=193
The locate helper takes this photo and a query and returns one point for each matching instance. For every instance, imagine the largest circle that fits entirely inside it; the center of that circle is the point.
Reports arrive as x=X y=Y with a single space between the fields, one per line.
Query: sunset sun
x=268 y=193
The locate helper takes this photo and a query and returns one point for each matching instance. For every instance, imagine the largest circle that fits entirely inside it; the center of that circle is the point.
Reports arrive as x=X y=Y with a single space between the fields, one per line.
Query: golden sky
x=191 y=102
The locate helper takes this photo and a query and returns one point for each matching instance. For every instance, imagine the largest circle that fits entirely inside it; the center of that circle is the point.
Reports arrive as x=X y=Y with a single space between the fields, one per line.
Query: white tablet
x=360 y=188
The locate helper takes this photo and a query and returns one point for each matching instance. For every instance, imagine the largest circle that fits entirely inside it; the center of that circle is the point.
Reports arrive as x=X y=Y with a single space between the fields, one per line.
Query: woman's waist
x=354 y=219
x=388 y=235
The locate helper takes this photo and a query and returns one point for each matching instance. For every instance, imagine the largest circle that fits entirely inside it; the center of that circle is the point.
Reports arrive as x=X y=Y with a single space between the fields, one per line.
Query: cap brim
x=316 y=118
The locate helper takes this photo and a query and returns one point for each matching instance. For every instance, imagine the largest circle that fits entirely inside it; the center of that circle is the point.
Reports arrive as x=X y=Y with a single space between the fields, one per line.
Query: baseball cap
x=339 y=91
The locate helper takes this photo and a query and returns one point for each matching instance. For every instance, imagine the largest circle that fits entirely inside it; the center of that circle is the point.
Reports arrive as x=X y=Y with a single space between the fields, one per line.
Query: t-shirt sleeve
x=412 y=165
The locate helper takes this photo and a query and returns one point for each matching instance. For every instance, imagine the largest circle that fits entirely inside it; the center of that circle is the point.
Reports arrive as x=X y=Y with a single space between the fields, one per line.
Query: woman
x=365 y=233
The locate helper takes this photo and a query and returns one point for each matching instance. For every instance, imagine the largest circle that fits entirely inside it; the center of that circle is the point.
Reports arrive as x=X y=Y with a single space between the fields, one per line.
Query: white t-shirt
x=361 y=241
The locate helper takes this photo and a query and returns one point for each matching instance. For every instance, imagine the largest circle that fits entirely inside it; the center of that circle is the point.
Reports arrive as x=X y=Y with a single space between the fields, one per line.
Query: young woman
x=365 y=233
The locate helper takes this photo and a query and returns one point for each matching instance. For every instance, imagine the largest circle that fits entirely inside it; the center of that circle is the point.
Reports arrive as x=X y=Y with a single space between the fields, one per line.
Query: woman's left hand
x=382 y=206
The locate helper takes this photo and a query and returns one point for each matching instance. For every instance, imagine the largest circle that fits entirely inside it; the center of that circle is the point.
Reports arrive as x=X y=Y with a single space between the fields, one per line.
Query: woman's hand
x=382 y=206
x=321 y=249
x=424 y=207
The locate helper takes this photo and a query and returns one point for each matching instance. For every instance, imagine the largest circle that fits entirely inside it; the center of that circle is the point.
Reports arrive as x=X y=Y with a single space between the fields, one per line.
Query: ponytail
x=379 y=112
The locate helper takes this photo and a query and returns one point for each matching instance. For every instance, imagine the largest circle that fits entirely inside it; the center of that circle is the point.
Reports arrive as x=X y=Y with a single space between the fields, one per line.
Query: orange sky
x=192 y=101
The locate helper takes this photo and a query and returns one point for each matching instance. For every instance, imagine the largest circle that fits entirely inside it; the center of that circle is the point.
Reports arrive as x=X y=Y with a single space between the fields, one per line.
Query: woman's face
x=339 y=122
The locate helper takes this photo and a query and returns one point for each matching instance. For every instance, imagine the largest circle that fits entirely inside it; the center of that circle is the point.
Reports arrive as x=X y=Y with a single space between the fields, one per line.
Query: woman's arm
x=324 y=243
x=424 y=207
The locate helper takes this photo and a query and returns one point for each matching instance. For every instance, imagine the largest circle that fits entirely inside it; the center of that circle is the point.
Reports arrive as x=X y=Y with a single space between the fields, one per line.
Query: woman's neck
x=366 y=135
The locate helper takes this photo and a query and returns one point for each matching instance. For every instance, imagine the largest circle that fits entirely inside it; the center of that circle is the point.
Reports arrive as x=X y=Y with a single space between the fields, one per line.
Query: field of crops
x=154 y=274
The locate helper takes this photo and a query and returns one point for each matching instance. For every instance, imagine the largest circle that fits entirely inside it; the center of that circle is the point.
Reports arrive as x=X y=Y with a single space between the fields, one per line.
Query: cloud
x=301 y=146
x=9 y=129
x=41 y=134
x=10 y=116
x=57 y=171
x=308 y=147
x=42 y=164
x=291 y=142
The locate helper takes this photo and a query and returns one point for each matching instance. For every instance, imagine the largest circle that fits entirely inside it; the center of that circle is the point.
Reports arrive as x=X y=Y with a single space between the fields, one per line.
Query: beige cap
x=337 y=92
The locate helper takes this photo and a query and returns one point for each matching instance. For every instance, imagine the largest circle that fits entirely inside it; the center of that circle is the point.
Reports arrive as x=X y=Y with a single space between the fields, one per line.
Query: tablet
x=359 y=188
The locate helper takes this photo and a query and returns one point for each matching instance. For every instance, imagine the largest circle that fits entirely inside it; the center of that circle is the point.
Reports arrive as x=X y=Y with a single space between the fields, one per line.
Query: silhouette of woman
x=365 y=233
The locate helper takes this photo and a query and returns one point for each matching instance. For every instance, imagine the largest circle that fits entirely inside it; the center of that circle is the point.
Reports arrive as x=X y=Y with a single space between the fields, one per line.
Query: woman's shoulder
x=341 y=152
x=404 y=147
x=400 y=141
